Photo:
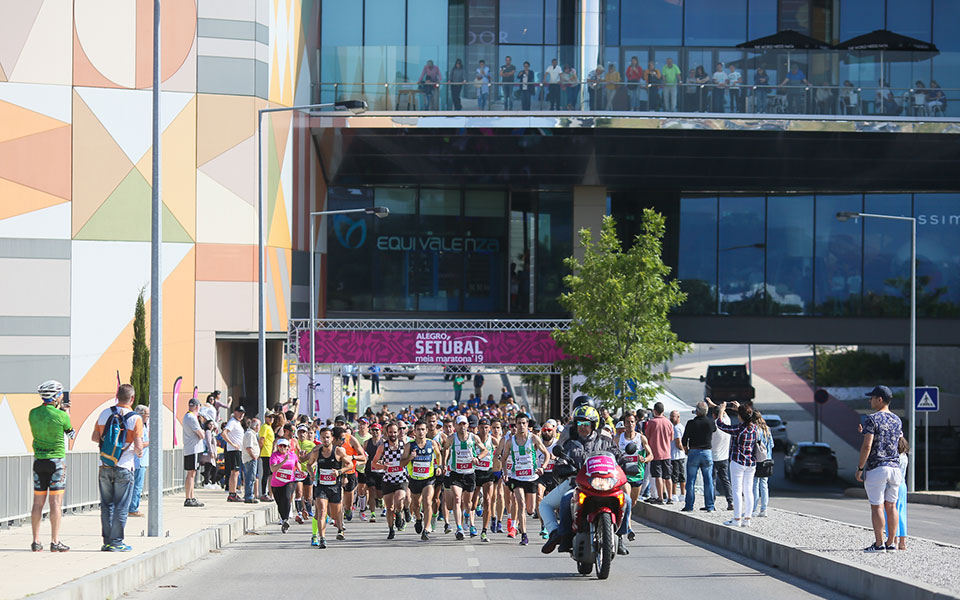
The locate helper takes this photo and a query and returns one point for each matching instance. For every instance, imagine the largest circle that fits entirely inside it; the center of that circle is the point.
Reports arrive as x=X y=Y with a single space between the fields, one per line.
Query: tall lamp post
x=911 y=408
x=380 y=212
x=354 y=106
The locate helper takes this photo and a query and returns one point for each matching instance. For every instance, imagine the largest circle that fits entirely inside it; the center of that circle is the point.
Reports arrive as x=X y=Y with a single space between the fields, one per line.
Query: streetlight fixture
x=378 y=211
x=844 y=216
x=354 y=106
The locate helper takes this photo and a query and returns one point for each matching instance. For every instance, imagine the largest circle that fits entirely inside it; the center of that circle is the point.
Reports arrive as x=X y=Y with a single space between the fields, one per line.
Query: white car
x=778 y=427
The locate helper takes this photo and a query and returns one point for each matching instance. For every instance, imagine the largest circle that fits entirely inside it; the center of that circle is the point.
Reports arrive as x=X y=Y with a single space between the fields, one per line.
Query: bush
x=847 y=368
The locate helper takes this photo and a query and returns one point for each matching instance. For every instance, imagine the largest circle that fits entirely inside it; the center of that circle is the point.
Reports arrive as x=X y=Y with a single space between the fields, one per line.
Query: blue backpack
x=114 y=436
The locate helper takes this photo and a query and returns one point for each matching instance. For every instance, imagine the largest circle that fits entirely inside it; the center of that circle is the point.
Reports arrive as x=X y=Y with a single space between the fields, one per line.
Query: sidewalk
x=193 y=532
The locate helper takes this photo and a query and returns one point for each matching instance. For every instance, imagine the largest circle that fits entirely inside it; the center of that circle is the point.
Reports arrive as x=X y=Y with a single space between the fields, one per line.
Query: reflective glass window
x=484 y=245
x=715 y=22
x=351 y=247
x=554 y=245
x=383 y=48
x=439 y=202
x=521 y=22
x=426 y=36
x=946 y=25
x=341 y=40
x=860 y=16
x=436 y=269
x=761 y=18
x=740 y=255
x=838 y=256
x=651 y=22
x=611 y=23
x=551 y=22
x=789 y=255
x=938 y=254
x=886 y=256
x=697 y=260
x=910 y=17
x=392 y=285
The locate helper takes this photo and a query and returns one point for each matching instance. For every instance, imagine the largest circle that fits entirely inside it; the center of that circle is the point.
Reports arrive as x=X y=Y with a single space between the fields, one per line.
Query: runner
x=421 y=457
x=524 y=471
x=405 y=430
x=447 y=505
x=374 y=477
x=462 y=452
x=436 y=434
x=48 y=423
x=283 y=465
x=486 y=480
x=362 y=435
x=394 y=477
x=327 y=462
x=304 y=497
x=357 y=455
x=546 y=483
x=642 y=456
x=499 y=485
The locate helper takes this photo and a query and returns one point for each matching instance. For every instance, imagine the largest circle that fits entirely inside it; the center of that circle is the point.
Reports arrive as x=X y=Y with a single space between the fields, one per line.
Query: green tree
x=140 y=373
x=619 y=302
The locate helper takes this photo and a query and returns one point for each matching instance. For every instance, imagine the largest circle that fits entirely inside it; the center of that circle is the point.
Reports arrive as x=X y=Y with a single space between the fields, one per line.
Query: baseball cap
x=283 y=442
x=194 y=402
x=339 y=420
x=483 y=421
x=303 y=428
x=461 y=419
x=881 y=391
x=619 y=424
x=376 y=426
x=240 y=409
x=473 y=420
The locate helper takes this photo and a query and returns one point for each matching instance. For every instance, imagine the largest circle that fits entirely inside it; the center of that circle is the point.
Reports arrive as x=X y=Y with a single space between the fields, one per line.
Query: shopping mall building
x=484 y=204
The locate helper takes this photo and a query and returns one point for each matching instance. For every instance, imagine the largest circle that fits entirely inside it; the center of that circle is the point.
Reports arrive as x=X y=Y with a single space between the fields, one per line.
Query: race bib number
x=285 y=475
x=421 y=470
x=326 y=477
x=634 y=458
x=484 y=464
x=464 y=466
x=548 y=468
x=394 y=468
x=524 y=472
x=300 y=475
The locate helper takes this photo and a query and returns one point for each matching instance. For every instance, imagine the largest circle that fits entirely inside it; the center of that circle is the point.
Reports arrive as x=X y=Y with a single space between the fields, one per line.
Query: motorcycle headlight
x=602 y=484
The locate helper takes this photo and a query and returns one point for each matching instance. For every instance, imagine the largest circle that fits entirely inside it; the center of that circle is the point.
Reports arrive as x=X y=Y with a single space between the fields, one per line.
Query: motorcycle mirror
x=557 y=451
x=631 y=448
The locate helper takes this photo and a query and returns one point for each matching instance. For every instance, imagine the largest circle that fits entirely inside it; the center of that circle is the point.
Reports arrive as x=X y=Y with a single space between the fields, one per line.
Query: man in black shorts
x=48 y=423
x=462 y=452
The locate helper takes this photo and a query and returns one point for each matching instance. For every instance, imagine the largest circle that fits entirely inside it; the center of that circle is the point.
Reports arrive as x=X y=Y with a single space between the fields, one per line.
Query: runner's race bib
x=524 y=472
x=300 y=475
x=420 y=470
x=394 y=468
x=326 y=477
x=285 y=475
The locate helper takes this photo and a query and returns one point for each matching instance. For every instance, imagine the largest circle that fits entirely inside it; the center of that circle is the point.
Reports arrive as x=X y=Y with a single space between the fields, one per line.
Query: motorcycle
x=597 y=509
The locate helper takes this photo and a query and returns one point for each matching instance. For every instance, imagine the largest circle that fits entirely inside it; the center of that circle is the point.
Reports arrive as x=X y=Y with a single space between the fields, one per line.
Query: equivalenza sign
x=432 y=347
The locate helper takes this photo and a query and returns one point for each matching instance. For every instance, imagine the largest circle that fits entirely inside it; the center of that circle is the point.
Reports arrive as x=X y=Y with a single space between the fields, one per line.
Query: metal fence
x=16 y=477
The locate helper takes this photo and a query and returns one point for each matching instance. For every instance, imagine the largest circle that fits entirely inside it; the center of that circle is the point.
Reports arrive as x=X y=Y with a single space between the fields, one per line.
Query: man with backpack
x=119 y=434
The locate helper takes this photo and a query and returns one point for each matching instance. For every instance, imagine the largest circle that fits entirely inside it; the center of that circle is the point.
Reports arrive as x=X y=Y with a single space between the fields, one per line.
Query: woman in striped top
x=743 y=464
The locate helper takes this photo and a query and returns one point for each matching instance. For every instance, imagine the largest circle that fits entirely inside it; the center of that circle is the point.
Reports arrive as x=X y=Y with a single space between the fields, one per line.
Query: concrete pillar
x=589 y=208
x=589 y=21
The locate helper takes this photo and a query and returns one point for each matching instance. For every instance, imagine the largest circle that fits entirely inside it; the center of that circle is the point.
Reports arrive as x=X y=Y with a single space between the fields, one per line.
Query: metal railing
x=83 y=491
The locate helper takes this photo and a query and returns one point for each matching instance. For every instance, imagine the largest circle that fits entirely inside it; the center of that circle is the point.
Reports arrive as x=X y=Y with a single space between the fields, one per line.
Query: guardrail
x=16 y=477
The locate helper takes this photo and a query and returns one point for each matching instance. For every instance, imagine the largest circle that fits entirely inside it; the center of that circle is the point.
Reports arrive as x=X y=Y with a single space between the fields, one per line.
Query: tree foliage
x=140 y=373
x=619 y=303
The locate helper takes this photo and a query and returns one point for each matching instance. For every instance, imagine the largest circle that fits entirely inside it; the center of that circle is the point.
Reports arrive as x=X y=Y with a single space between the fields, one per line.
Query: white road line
x=478 y=584
x=469 y=548
x=473 y=562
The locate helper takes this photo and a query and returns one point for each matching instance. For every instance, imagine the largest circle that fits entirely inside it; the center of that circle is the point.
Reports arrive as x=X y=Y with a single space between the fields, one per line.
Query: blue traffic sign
x=926 y=399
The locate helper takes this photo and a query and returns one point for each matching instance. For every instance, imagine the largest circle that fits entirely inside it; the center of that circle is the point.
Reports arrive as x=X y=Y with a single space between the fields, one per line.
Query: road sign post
x=926 y=400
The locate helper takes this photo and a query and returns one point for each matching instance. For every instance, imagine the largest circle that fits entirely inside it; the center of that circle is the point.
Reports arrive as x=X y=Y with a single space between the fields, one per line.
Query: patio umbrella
x=788 y=40
x=883 y=40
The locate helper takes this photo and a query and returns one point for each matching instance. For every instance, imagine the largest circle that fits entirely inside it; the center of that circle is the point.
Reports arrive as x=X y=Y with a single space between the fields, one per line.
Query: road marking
x=469 y=548
x=473 y=562
x=477 y=584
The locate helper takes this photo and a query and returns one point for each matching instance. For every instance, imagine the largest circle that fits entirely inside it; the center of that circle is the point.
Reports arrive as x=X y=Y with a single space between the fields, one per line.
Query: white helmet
x=50 y=390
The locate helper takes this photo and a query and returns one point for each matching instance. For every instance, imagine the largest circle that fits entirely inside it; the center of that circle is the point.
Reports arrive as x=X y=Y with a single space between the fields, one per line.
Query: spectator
x=743 y=464
x=654 y=80
x=569 y=87
x=824 y=98
x=208 y=459
x=697 y=441
x=458 y=380
x=491 y=402
x=879 y=466
x=794 y=82
x=193 y=446
x=719 y=79
x=265 y=440
x=733 y=84
x=526 y=80
x=504 y=394
x=720 y=449
x=690 y=92
x=478 y=385
x=429 y=82
x=508 y=71
x=251 y=460
x=936 y=99
x=458 y=76
x=904 y=448
x=552 y=78
x=761 y=483
x=659 y=432
x=49 y=422
x=761 y=80
x=605 y=417
x=678 y=460
x=886 y=104
x=233 y=451
x=595 y=88
x=671 y=79
x=376 y=370
x=473 y=401
x=116 y=481
x=634 y=78
x=613 y=84
x=481 y=80
x=702 y=80
x=140 y=463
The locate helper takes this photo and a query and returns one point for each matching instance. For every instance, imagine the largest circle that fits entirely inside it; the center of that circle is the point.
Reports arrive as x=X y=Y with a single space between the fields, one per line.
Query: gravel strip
x=929 y=562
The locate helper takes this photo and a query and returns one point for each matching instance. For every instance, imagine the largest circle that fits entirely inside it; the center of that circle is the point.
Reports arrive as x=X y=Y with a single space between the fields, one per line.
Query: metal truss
x=297 y=325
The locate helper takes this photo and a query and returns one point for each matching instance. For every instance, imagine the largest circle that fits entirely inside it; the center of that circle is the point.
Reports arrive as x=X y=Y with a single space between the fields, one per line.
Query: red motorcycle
x=597 y=509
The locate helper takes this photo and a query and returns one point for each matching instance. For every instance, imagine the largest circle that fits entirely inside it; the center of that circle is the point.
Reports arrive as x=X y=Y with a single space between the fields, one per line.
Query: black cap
x=473 y=420
x=240 y=409
x=881 y=391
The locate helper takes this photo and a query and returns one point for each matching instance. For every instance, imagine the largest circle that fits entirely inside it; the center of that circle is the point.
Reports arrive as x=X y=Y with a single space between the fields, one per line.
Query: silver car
x=778 y=427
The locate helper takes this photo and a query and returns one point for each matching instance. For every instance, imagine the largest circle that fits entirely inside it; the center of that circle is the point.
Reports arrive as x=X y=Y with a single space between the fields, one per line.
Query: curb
x=945 y=500
x=845 y=577
x=119 y=579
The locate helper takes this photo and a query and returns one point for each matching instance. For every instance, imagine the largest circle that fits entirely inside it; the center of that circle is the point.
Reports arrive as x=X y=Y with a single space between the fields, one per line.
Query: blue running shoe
x=479 y=511
x=473 y=531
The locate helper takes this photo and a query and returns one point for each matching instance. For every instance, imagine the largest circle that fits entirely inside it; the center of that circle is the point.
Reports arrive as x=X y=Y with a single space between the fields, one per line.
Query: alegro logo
x=351 y=234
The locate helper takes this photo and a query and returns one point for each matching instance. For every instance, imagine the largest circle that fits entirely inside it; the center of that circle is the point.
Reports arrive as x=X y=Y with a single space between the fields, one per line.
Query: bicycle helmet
x=587 y=413
x=583 y=401
x=50 y=390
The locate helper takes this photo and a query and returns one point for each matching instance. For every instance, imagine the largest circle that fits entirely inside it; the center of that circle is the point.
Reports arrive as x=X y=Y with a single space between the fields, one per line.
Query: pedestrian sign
x=927 y=399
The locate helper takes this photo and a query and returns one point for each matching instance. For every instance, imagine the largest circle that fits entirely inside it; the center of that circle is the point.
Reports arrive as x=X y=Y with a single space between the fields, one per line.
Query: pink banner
x=432 y=347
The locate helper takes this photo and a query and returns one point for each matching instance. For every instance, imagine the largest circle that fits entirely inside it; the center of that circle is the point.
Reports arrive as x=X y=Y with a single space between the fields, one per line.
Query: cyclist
x=48 y=423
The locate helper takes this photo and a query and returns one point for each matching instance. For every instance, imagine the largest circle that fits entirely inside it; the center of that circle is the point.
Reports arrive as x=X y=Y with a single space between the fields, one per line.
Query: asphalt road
x=271 y=564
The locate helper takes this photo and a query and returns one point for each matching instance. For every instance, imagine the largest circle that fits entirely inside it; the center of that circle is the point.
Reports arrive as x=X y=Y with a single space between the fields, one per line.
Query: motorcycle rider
x=584 y=435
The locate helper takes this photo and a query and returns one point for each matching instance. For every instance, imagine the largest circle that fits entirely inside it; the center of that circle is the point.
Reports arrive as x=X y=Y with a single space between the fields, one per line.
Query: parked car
x=813 y=460
x=403 y=370
x=725 y=383
x=450 y=371
x=778 y=427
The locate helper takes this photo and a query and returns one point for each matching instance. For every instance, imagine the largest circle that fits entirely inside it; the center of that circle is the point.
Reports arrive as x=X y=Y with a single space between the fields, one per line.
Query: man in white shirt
x=233 y=454
x=719 y=88
x=678 y=460
x=116 y=482
x=251 y=461
x=193 y=447
x=552 y=78
x=733 y=83
x=721 y=458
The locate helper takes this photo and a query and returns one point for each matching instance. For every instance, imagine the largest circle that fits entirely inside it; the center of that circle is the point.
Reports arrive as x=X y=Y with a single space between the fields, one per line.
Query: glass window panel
x=341 y=23
x=521 y=22
x=838 y=256
x=384 y=22
x=715 y=22
x=886 y=256
x=439 y=202
x=554 y=244
x=426 y=36
x=349 y=243
x=341 y=40
x=860 y=16
x=551 y=22
x=651 y=22
x=611 y=23
x=697 y=260
x=795 y=15
x=400 y=201
x=485 y=203
x=938 y=254
x=789 y=255
x=741 y=255
x=395 y=241
x=761 y=18
x=910 y=17
x=485 y=250
x=946 y=25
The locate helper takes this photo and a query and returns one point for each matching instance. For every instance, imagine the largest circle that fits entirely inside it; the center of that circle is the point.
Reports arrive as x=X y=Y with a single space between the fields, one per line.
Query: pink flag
x=176 y=394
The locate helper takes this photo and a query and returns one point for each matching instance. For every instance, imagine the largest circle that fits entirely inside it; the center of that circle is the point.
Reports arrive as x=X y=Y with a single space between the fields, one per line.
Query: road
x=366 y=565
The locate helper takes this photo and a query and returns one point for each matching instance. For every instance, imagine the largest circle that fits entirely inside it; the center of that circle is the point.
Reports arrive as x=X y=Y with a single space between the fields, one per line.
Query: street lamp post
x=380 y=212
x=354 y=106
x=911 y=408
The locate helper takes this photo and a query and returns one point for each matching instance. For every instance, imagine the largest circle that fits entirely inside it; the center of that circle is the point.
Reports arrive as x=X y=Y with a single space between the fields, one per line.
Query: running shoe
x=340 y=535
x=397 y=520
x=418 y=526
x=383 y=513
x=473 y=531
x=348 y=515
x=631 y=535
x=406 y=515
x=543 y=534
x=403 y=525
x=447 y=528
x=424 y=537
x=363 y=516
x=391 y=535
x=479 y=511
x=499 y=527
x=36 y=547
x=875 y=548
x=511 y=532
x=234 y=498
x=299 y=520
x=322 y=544
x=285 y=526
x=373 y=517
x=315 y=540
x=732 y=522
x=483 y=536
x=459 y=533
x=524 y=540
x=105 y=548
x=120 y=548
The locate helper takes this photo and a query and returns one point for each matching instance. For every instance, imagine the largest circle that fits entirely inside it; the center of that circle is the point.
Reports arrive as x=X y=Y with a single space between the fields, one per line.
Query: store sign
x=432 y=347
x=436 y=243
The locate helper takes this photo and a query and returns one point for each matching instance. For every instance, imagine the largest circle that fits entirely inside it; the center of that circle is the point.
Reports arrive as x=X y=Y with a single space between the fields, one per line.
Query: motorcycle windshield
x=601 y=463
